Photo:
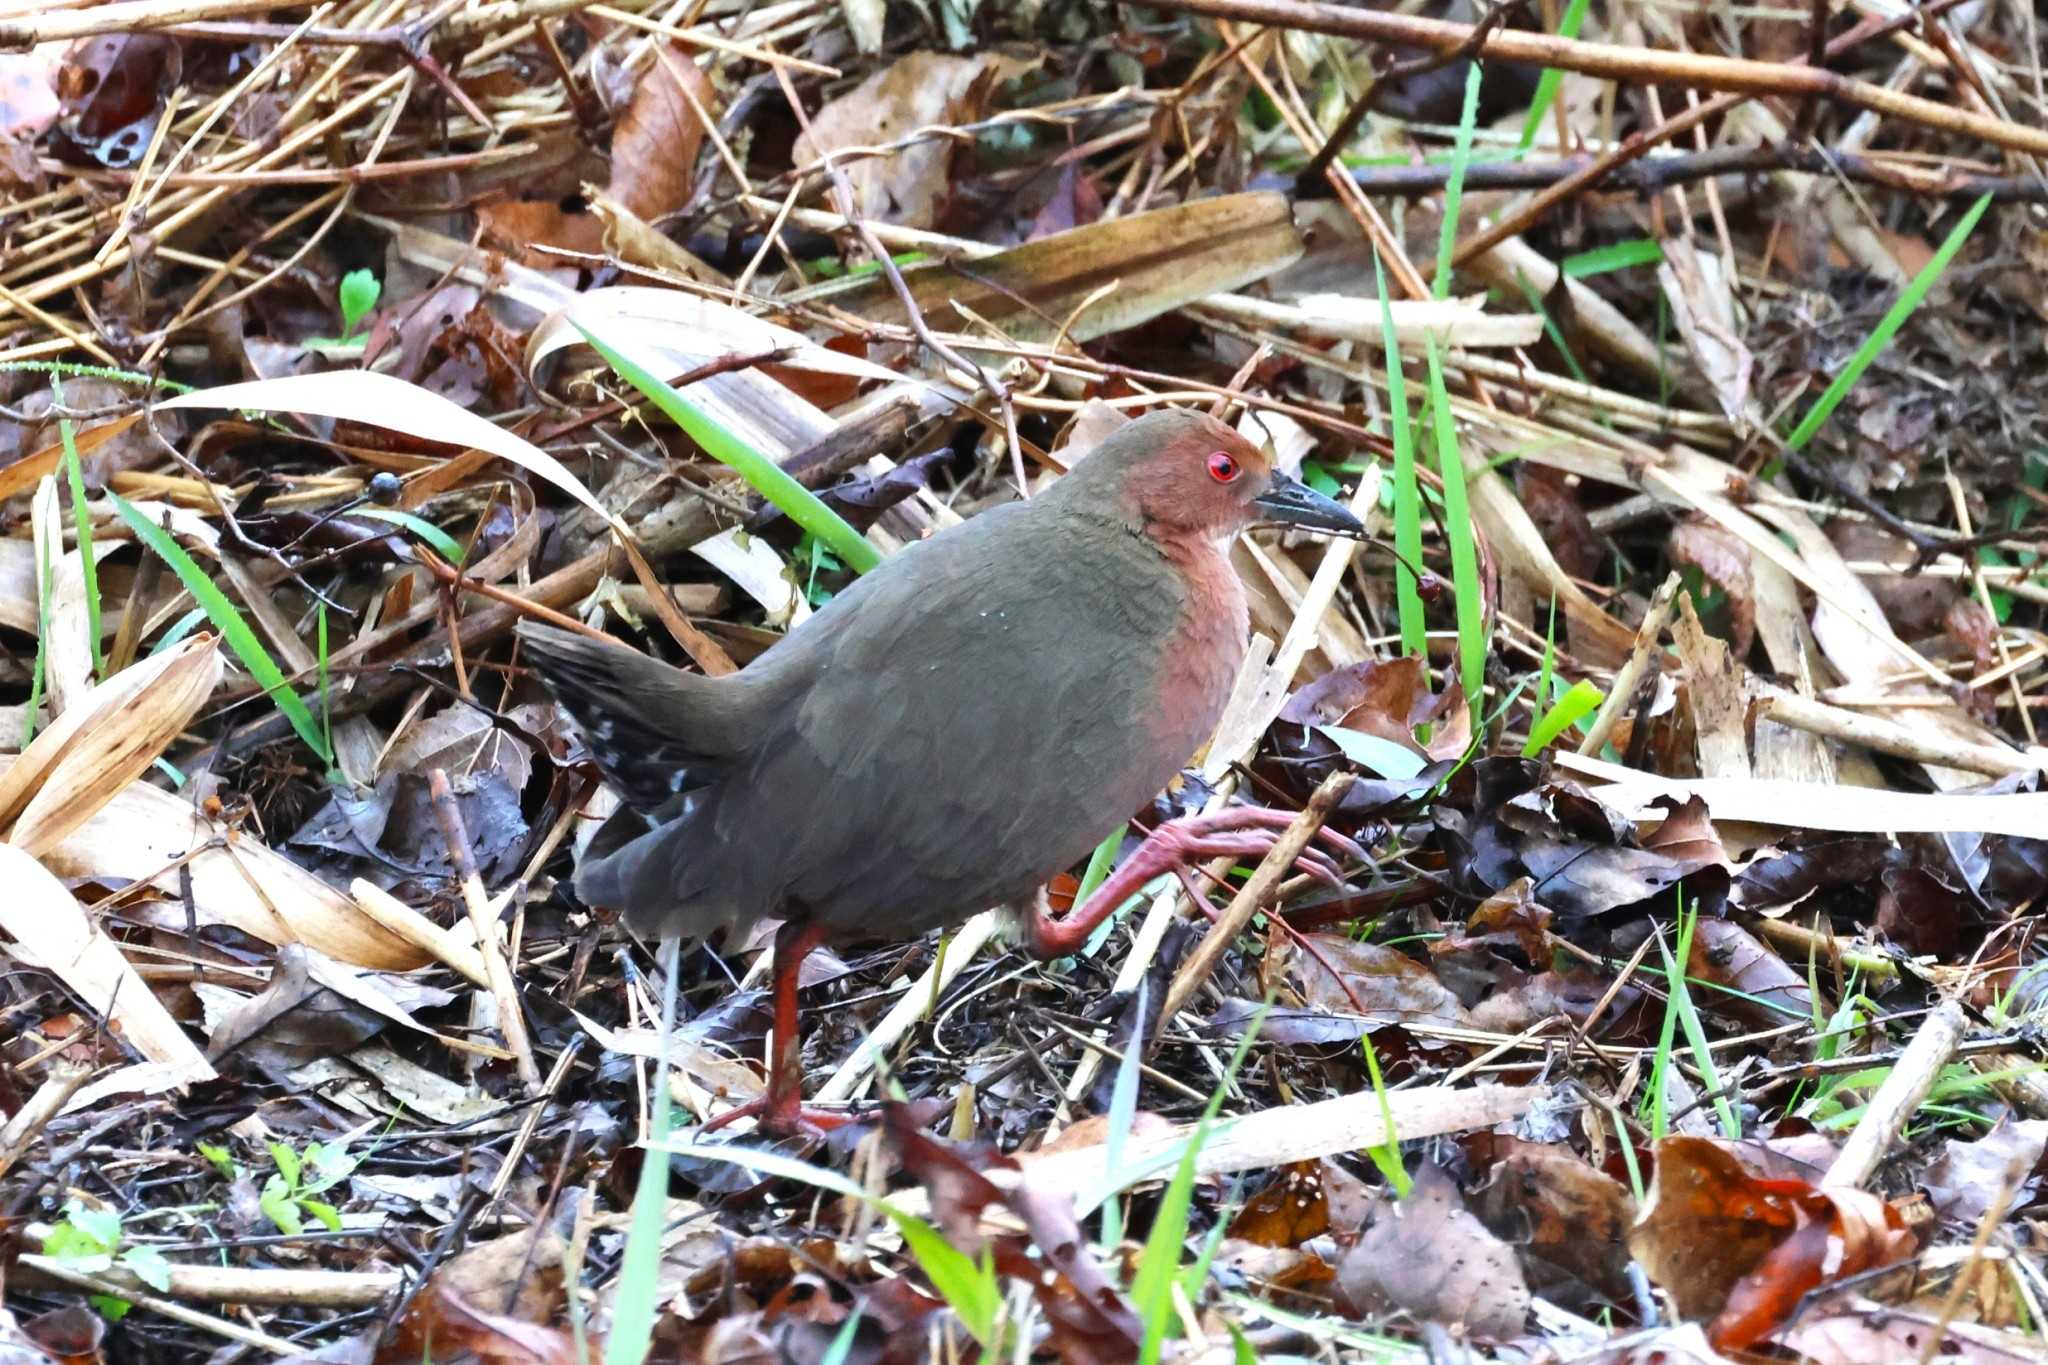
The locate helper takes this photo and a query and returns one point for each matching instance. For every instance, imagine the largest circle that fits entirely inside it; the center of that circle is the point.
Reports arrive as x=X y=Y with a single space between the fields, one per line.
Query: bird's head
x=1180 y=473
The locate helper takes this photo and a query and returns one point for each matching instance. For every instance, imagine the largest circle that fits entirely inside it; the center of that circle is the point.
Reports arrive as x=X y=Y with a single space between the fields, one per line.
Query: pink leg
x=780 y=1110
x=1238 y=832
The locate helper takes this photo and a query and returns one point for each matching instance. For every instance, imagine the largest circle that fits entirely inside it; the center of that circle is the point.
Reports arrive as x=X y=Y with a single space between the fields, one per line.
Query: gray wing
x=980 y=719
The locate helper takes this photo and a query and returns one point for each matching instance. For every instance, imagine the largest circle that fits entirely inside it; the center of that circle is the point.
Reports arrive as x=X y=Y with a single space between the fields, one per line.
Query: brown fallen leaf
x=659 y=133
x=1565 y=1214
x=1427 y=1255
x=921 y=89
x=1744 y=1250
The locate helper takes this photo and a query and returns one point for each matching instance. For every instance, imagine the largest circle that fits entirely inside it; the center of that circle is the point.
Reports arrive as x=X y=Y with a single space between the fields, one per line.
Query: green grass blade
x=1464 y=548
x=326 y=700
x=228 y=621
x=1576 y=704
x=1159 y=1265
x=74 y=475
x=1894 y=318
x=841 y=1349
x=1454 y=186
x=1637 y=251
x=1407 y=490
x=968 y=1287
x=1695 y=1031
x=762 y=474
x=1550 y=80
x=444 y=544
x=1385 y=1155
x=46 y=571
x=636 y=1303
x=1123 y=1111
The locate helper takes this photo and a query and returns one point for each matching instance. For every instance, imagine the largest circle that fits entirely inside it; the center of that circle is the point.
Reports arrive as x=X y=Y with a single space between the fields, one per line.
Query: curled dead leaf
x=106 y=740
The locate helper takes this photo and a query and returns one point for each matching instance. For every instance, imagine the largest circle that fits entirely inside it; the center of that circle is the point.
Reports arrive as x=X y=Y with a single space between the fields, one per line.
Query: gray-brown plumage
x=954 y=728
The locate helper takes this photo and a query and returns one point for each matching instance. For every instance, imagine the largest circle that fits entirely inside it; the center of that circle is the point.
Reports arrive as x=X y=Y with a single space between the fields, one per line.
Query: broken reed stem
x=511 y=1022
x=1279 y=860
x=1911 y=1077
x=1621 y=692
x=1655 y=174
x=1732 y=75
x=18 y=1135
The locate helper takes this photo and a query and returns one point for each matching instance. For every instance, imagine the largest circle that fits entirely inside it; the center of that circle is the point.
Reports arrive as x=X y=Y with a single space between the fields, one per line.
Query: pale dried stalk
x=1252 y=896
x=1908 y=1082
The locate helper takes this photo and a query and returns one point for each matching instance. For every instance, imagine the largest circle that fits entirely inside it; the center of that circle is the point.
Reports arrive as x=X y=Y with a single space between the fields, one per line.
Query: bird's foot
x=1238 y=832
x=780 y=1116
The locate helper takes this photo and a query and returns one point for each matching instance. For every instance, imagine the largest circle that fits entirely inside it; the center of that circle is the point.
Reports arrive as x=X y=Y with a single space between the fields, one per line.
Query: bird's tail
x=654 y=731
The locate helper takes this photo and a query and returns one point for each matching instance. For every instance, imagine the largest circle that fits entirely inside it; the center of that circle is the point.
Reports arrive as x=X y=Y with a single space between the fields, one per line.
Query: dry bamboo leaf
x=670 y=332
x=104 y=742
x=1352 y=317
x=1158 y=261
x=1713 y=693
x=1799 y=805
x=67 y=658
x=1703 y=305
x=1302 y=1132
x=1512 y=535
x=51 y=931
x=752 y=564
x=143 y=834
x=385 y=401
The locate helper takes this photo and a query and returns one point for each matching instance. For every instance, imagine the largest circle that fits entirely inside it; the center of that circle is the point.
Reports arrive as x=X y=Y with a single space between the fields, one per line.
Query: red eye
x=1222 y=468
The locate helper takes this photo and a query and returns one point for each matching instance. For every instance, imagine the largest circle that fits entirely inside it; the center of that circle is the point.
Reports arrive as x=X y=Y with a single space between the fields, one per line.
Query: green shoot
x=761 y=474
x=444 y=544
x=1407 y=488
x=1123 y=1109
x=1548 y=82
x=635 y=1304
x=1385 y=1155
x=1578 y=702
x=969 y=1287
x=326 y=700
x=74 y=475
x=228 y=621
x=1637 y=251
x=816 y=557
x=1894 y=318
x=360 y=290
x=293 y=1189
x=1454 y=185
x=1458 y=530
x=89 y=1241
x=1158 y=1266
x=1680 y=1012
x=841 y=1349
x=1550 y=327
x=46 y=571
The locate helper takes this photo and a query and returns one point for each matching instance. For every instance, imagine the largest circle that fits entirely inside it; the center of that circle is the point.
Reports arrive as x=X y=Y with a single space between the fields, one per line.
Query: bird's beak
x=1290 y=500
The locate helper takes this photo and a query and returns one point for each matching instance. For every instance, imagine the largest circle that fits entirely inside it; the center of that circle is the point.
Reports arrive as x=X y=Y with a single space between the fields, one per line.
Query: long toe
x=780 y=1120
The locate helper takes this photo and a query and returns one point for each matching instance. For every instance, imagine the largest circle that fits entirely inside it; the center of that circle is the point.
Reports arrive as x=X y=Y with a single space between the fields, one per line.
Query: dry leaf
x=922 y=89
x=235 y=880
x=1427 y=1255
x=656 y=139
x=51 y=931
x=106 y=740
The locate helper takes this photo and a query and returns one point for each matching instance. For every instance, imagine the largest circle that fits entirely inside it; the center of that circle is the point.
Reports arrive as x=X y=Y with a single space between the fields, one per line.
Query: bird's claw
x=777 y=1116
x=1238 y=832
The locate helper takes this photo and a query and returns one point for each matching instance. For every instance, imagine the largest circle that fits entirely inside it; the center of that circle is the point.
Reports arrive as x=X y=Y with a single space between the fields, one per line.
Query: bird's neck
x=1207 y=646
